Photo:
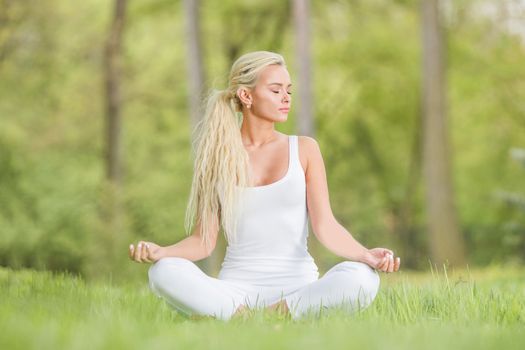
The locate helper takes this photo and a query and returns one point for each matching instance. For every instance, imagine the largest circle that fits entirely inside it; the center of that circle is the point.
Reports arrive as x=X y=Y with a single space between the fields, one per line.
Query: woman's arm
x=191 y=247
x=326 y=228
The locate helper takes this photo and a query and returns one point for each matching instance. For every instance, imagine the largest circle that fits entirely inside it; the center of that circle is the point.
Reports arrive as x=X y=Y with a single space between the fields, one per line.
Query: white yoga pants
x=349 y=285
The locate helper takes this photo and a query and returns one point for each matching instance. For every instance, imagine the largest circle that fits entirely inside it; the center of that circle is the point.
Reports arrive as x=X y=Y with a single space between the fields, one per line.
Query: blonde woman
x=260 y=186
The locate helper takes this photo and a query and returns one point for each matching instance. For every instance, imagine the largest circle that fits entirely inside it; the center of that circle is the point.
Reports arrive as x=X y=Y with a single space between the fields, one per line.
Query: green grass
x=480 y=309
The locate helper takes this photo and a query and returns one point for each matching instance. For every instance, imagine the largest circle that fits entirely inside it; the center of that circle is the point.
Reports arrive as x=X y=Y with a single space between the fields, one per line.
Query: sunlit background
x=80 y=81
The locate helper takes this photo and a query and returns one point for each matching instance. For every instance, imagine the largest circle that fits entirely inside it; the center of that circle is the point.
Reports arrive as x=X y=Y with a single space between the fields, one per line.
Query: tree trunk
x=107 y=247
x=195 y=93
x=194 y=60
x=446 y=242
x=305 y=122
x=112 y=68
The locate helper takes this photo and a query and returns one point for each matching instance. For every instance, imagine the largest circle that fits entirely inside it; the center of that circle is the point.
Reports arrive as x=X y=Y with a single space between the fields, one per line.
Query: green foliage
x=513 y=214
x=366 y=70
x=367 y=111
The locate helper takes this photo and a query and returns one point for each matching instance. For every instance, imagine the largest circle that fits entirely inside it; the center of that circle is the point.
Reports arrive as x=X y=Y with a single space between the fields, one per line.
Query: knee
x=365 y=276
x=164 y=269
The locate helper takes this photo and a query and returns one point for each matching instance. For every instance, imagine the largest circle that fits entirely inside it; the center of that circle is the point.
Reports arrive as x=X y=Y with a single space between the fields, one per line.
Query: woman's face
x=271 y=96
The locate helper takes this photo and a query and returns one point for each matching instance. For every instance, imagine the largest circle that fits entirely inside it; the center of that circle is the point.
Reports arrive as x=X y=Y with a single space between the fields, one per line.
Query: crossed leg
x=191 y=291
x=351 y=285
x=188 y=289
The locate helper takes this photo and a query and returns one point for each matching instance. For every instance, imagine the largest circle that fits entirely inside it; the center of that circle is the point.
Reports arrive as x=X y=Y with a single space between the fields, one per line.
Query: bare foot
x=280 y=307
x=240 y=312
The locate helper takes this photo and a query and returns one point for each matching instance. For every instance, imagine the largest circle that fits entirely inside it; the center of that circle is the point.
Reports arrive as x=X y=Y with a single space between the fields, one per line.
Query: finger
x=148 y=254
x=383 y=264
x=138 y=252
x=391 y=264
x=397 y=264
x=143 y=253
x=388 y=252
x=379 y=264
x=386 y=266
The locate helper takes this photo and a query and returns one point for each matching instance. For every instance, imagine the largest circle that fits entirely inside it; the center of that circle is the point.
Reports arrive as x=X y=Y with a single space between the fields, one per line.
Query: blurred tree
x=399 y=207
x=249 y=24
x=513 y=225
x=112 y=209
x=194 y=60
x=10 y=15
x=195 y=89
x=112 y=71
x=368 y=121
x=446 y=242
x=301 y=14
x=367 y=99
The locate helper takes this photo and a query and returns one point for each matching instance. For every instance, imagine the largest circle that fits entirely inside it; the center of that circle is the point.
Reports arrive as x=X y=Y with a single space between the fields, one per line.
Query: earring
x=248 y=105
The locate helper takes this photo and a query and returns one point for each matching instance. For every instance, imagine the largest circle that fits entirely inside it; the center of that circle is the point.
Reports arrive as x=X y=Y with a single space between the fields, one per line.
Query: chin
x=281 y=118
x=277 y=119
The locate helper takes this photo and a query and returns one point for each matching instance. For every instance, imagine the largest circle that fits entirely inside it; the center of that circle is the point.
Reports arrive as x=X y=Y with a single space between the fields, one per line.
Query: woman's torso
x=270 y=247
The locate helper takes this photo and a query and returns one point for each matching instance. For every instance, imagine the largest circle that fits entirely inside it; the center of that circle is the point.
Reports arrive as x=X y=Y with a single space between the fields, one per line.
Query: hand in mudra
x=145 y=252
x=382 y=259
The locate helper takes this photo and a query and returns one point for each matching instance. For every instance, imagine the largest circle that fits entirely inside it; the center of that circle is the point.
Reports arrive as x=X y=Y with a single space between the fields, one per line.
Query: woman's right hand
x=382 y=259
x=145 y=252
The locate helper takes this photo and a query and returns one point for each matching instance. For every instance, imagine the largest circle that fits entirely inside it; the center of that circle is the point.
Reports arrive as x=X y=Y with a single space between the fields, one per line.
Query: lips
x=284 y=109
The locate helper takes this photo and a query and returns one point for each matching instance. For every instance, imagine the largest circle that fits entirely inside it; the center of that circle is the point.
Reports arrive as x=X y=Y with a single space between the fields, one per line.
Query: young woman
x=261 y=186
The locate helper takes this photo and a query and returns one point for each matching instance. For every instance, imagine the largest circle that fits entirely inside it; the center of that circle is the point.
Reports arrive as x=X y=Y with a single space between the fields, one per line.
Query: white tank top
x=270 y=248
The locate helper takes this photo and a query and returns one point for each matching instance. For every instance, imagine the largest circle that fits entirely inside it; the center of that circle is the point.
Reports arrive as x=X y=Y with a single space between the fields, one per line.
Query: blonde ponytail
x=221 y=166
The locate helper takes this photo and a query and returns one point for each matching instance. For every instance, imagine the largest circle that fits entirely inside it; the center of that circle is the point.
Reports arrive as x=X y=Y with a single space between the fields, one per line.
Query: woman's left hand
x=382 y=259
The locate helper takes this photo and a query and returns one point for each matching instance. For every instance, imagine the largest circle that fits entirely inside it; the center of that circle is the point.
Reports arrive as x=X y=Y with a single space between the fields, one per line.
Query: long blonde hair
x=221 y=165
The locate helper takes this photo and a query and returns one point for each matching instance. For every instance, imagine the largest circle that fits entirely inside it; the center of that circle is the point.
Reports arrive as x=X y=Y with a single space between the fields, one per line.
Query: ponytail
x=220 y=168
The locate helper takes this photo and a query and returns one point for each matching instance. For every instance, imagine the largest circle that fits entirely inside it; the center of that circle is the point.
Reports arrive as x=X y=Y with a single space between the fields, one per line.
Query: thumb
x=387 y=252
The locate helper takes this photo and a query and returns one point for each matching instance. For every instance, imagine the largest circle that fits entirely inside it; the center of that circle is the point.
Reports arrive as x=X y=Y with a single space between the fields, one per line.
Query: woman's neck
x=258 y=136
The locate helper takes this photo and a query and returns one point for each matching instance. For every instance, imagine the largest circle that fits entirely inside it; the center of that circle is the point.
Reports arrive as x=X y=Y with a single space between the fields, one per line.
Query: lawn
x=438 y=309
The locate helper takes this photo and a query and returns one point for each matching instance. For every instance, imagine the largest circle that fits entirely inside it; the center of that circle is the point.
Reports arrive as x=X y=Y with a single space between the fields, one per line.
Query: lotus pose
x=260 y=186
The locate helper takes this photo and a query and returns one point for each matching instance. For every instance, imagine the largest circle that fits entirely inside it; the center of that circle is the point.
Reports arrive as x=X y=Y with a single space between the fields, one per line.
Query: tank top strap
x=295 y=162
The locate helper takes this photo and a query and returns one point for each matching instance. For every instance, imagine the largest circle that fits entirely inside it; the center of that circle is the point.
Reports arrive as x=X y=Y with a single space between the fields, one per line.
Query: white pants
x=350 y=285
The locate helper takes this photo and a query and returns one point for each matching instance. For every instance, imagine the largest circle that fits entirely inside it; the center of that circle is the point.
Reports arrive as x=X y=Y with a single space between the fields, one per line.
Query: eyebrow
x=279 y=84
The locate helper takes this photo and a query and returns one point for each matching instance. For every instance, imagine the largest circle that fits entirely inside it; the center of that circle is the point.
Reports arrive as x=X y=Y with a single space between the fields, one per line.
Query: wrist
x=162 y=253
x=366 y=257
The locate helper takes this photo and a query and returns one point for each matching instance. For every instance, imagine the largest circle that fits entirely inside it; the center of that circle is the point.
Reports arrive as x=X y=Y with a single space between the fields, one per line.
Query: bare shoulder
x=309 y=150
x=308 y=145
x=308 y=142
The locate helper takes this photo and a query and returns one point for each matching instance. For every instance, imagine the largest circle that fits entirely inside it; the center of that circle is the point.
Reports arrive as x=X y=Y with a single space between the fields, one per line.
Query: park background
x=98 y=103
x=418 y=107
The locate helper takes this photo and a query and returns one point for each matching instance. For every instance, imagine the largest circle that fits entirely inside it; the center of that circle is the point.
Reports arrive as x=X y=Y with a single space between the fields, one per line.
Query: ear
x=245 y=95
